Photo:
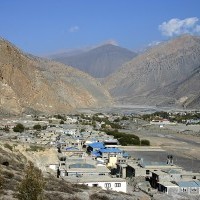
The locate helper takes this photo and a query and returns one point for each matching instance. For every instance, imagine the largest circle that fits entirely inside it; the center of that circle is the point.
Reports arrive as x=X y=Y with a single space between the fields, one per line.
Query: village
x=91 y=151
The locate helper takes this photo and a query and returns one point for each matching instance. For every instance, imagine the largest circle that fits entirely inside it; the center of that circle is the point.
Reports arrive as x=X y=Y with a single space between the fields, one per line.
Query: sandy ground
x=42 y=158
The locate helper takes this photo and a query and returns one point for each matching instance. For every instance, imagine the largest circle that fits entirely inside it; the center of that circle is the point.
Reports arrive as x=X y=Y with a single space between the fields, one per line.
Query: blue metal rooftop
x=72 y=149
x=97 y=145
x=110 y=150
x=96 y=154
x=125 y=155
x=187 y=184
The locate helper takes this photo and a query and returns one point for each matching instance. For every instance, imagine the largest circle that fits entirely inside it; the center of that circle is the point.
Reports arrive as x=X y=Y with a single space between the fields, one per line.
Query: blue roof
x=110 y=150
x=98 y=145
x=72 y=149
x=187 y=184
x=197 y=182
x=96 y=154
x=125 y=154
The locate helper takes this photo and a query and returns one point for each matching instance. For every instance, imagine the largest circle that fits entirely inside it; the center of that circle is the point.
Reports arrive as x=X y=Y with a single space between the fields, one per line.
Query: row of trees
x=20 y=127
x=180 y=118
x=127 y=139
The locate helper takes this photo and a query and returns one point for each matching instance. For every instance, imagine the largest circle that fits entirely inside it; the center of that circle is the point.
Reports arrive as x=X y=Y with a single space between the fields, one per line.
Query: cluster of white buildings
x=95 y=159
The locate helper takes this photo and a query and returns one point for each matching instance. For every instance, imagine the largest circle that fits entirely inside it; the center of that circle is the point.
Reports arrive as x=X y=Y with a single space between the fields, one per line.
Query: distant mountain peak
x=99 y=61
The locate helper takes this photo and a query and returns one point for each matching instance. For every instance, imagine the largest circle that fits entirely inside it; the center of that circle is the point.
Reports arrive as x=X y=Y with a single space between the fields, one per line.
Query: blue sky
x=49 y=26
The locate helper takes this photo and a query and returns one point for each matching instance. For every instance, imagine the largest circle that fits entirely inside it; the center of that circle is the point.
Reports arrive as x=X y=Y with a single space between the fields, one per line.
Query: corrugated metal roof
x=81 y=165
x=97 y=145
x=187 y=184
x=96 y=154
x=110 y=150
x=197 y=182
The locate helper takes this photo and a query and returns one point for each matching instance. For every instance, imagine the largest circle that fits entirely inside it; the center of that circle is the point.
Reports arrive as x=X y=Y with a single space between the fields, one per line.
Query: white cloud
x=74 y=29
x=111 y=41
x=177 y=26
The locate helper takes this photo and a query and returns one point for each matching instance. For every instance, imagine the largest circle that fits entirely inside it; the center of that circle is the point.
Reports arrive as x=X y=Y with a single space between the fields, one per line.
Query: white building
x=105 y=182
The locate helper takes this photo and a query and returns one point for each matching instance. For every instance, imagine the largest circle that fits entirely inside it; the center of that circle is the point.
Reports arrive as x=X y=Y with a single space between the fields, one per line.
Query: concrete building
x=105 y=182
x=189 y=187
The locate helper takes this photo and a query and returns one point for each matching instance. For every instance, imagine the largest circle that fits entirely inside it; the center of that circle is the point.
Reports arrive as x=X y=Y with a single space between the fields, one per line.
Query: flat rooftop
x=93 y=179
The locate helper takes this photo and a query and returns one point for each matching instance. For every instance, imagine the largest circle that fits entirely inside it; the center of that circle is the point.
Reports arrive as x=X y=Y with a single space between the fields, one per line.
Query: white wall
x=110 y=185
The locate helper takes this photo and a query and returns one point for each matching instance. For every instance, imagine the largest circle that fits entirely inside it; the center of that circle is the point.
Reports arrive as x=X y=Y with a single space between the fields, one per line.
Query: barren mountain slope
x=164 y=75
x=98 y=62
x=31 y=84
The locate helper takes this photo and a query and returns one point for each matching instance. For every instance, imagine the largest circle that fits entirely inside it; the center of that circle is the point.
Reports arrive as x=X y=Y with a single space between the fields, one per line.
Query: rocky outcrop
x=167 y=74
x=31 y=84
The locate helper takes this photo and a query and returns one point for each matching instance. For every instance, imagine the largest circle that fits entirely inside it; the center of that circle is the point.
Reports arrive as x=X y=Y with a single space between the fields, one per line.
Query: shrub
x=37 y=127
x=35 y=148
x=62 y=122
x=145 y=143
x=97 y=196
x=117 y=120
x=19 y=128
x=60 y=117
x=6 y=129
x=125 y=118
x=32 y=185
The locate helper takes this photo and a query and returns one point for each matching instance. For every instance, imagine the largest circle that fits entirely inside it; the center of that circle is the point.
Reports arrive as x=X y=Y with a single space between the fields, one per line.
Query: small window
x=193 y=189
x=95 y=185
x=117 y=184
x=107 y=185
x=184 y=190
x=147 y=172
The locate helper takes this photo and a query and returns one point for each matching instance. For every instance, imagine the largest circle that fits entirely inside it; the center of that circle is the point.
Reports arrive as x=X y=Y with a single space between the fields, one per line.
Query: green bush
x=62 y=122
x=117 y=120
x=19 y=128
x=37 y=127
x=32 y=185
x=123 y=138
x=125 y=118
x=145 y=143
x=35 y=148
x=60 y=117
x=6 y=129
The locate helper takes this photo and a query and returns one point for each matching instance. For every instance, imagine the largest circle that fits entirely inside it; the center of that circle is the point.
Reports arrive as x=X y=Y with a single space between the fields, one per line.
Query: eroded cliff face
x=28 y=83
x=167 y=74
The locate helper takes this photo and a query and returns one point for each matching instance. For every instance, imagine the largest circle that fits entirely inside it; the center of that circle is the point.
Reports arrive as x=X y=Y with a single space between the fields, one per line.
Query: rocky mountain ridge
x=30 y=84
x=167 y=74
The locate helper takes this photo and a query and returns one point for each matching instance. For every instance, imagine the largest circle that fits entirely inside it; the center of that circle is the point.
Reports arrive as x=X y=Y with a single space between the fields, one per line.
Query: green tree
x=6 y=129
x=62 y=122
x=32 y=185
x=19 y=128
x=37 y=127
x=145 y=143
